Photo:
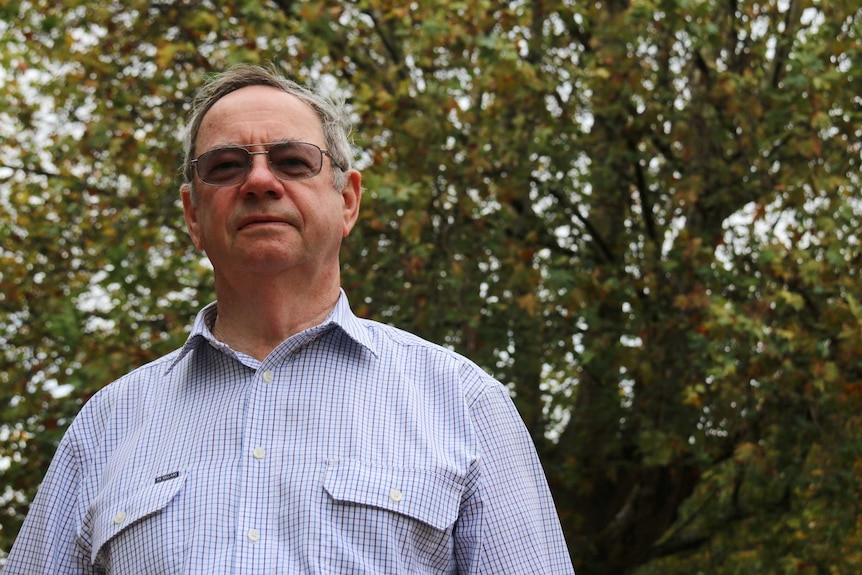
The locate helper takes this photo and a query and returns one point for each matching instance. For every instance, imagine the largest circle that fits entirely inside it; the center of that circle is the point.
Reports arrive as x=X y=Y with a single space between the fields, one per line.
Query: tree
x=641 y=215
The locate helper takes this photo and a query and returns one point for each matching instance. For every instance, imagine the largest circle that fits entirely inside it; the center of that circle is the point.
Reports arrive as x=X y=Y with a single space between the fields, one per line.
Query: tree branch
x=30 y=171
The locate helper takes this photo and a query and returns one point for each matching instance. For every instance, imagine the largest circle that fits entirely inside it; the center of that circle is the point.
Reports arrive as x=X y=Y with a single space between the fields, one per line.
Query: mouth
x=262 y=221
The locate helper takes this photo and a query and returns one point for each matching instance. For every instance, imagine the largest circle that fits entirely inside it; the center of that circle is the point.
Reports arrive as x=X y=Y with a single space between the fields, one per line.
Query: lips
x=263 y=219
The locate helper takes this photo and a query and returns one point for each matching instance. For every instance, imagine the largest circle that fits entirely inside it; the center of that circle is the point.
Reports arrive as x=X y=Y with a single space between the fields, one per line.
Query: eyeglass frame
x=269 y=145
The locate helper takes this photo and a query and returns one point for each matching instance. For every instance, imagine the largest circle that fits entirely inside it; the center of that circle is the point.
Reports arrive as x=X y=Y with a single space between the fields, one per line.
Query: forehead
x=257 y=114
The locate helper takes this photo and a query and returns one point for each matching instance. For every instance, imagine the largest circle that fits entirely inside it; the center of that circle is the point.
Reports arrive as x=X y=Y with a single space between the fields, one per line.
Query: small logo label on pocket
x=168 y=477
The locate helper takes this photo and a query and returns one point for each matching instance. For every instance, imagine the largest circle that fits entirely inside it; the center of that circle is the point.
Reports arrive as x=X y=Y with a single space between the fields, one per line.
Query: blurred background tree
x=642 y=215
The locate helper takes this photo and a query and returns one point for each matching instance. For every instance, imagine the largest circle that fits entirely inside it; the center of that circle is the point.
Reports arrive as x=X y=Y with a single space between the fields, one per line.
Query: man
x=287 y=435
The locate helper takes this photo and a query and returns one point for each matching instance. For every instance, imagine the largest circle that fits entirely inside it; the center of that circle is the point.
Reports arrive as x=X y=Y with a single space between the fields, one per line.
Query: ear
x=351 y=194
x=190 y=212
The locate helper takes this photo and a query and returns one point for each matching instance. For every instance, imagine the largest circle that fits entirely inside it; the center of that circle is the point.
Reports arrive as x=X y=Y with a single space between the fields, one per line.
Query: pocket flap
x=431 y=497
x=110 y=517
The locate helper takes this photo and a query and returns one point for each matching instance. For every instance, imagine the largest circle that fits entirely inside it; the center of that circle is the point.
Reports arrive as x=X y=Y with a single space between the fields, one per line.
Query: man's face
x=266 y=225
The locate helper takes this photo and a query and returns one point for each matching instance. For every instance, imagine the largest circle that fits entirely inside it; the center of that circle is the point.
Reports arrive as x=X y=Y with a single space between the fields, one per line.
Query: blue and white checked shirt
x=352 y=448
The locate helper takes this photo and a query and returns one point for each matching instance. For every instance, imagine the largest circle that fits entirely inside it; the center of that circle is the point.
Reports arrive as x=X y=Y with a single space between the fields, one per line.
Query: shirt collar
x=341 y=317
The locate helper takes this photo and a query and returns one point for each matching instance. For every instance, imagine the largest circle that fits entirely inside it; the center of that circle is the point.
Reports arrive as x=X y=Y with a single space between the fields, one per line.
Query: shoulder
x=433 y=361
x=390 y=340
x=139 y=379
x=121 y=399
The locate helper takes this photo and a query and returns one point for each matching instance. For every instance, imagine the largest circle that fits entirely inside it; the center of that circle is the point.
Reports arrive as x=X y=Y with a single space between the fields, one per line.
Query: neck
x=257 y=313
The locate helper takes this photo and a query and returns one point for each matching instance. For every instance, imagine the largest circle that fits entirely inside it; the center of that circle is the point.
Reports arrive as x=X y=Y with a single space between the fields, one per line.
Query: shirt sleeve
x=508 y=522
x=47 y=543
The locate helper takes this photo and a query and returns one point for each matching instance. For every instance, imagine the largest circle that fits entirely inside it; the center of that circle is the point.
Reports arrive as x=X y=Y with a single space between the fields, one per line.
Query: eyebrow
x=251 y=145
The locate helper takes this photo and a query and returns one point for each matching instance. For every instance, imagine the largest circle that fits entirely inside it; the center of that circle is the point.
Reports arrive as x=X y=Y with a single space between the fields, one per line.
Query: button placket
x=256 y=471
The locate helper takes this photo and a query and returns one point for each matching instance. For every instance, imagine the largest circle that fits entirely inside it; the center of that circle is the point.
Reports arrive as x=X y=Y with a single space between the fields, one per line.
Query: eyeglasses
x=230 y=165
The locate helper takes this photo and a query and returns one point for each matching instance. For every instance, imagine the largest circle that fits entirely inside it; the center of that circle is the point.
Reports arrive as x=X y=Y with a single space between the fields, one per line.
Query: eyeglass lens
x=288 y=161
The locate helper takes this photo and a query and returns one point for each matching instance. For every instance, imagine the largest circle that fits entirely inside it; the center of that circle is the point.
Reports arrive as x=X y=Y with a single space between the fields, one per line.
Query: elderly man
x=287 y=435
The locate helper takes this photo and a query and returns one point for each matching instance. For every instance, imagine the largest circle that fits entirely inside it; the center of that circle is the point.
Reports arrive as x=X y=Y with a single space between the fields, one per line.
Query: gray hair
x=333 y=116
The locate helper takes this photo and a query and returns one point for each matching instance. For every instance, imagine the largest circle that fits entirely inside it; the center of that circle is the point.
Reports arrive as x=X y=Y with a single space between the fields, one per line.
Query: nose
x=260 y=179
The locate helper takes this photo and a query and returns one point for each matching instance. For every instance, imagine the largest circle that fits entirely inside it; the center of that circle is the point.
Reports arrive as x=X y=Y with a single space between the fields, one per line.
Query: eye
x=289 y=162
x=223 y=166
x=292 y=160
x=226 y=160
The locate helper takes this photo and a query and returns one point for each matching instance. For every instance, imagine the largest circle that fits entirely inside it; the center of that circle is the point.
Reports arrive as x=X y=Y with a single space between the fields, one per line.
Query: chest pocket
x=430 y=497
x=132 y=530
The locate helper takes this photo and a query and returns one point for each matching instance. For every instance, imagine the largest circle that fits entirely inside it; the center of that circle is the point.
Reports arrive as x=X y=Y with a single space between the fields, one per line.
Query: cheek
x=210 y=228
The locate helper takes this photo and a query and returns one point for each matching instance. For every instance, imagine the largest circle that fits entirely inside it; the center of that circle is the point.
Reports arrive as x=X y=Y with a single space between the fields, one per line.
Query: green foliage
x=642 y=215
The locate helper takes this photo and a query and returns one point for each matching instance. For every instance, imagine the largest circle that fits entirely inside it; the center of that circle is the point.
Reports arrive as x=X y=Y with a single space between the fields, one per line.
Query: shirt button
x=268 y=376
x=119 y=517
x=396 y=496
x=253 y=535
x=259 y=453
